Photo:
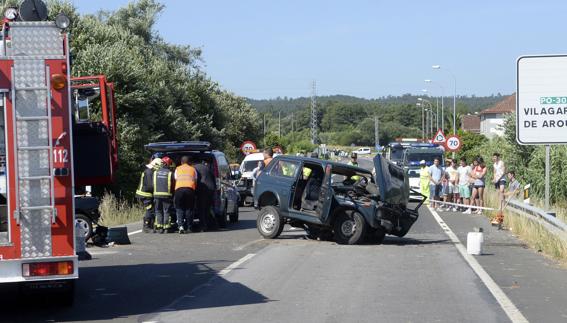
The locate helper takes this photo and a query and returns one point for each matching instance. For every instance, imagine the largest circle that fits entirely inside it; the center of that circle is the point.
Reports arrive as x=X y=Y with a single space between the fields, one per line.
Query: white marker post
x=541 y=105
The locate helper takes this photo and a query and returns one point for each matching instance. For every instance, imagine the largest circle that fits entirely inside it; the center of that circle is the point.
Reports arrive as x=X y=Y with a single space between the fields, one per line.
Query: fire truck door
x=4 y=224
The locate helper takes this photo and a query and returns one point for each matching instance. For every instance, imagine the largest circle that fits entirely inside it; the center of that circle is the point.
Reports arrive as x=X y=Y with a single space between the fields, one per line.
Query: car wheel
x=350 y=228
x=234 y=216
x=270 y=223
x=85 y=223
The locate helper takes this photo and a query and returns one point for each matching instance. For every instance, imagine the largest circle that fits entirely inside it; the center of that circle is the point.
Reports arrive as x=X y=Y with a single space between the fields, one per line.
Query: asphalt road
x=235 y=276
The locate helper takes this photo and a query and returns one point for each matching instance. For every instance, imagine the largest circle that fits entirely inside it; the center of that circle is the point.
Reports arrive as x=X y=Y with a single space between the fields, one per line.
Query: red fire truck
x=37 y=241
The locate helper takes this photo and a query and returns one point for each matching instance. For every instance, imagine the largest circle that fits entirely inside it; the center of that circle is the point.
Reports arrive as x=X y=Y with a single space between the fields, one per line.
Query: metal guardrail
x=554 y=225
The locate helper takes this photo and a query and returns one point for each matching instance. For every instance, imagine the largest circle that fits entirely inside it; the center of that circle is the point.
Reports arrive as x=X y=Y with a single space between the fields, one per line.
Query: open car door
x=393 y=184
x=325 y=196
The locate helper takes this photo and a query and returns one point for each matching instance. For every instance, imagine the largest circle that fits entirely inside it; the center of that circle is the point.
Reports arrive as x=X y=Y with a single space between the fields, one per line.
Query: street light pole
x=442 y=103
x=422 y=120
x=438 y=67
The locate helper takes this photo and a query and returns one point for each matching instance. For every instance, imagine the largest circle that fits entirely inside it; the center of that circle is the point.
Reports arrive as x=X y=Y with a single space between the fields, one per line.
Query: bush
x=116 y=212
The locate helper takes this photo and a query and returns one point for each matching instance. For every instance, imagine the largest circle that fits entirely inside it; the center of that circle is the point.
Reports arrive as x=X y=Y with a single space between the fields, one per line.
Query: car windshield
x=249 y=165
x=415 y=158
x=397 y=154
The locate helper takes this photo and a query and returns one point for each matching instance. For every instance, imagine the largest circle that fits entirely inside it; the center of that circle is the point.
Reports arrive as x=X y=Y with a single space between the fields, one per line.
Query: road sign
x=248 y=147
x=541 y=100
x=453 y=143
x=439 y=137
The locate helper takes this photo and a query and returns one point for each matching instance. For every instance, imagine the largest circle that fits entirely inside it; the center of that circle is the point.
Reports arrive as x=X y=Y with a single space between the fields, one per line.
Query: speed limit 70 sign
x=453 y=143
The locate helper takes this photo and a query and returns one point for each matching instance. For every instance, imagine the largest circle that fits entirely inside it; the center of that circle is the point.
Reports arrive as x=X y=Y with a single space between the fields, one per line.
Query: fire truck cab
x=37 y=241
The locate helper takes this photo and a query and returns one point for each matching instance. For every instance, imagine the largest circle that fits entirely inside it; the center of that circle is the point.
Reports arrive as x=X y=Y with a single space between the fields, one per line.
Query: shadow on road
x=397 y=241
x=242 y=225
x=111 y=292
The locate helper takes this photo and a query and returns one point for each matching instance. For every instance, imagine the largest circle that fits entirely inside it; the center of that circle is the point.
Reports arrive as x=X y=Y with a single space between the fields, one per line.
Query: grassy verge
x=115 y=212
x=532 y=232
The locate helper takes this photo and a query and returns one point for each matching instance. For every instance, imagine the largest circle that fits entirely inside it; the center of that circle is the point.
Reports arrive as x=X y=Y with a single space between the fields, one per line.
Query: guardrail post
x=547 y=173
x=527 y=193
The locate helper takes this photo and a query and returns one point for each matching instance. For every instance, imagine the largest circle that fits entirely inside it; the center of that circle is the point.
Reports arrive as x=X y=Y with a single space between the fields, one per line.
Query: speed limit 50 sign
x=453 y=143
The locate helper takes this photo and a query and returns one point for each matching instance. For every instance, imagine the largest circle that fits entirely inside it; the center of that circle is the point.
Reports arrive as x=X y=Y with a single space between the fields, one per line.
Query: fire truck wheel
x=86 y=223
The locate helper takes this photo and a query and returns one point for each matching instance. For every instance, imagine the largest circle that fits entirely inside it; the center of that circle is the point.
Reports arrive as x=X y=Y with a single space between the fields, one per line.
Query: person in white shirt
x=452 y=186
x=499 y=175
x=463 y=180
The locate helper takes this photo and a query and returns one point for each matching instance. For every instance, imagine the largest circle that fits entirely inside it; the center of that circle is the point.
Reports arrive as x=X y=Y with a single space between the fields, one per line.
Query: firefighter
x=424 y=179
x=184 y=197
x=163 y=183
x=145 y=193
x=354 y=162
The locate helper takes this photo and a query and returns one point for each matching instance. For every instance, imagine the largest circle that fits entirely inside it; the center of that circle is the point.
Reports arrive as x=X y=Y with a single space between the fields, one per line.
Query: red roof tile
x=508 y=105
x=471 y=123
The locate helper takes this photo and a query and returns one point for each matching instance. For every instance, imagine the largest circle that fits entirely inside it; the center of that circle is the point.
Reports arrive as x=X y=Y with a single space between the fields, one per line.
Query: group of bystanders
x=462 y=188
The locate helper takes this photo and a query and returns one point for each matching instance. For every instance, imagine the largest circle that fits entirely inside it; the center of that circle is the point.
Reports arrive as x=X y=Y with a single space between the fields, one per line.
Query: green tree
x=161 y=91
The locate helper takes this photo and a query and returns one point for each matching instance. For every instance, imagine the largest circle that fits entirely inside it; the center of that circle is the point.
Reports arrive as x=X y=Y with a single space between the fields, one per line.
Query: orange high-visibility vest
x=186 y=176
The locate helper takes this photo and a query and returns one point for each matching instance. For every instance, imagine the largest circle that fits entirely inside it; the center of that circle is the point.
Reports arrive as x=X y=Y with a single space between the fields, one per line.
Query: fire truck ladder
x=32 y=44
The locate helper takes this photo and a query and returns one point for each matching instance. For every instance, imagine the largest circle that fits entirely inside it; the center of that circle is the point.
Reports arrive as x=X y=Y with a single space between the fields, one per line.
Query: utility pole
x=280 y=124
x=437 y=114
x=314 y=113
x=292 y=122
x=376 y=133
x=264 y=127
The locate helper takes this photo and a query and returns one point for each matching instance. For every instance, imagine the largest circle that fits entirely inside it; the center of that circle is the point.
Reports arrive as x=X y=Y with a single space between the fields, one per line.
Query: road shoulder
x=534 y=283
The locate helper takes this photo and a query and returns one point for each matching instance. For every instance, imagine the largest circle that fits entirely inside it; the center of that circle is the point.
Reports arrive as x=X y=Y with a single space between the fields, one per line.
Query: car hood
x=392 y=181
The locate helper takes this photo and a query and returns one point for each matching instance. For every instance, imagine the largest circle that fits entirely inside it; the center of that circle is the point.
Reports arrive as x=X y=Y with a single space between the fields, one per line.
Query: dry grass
x=532 y=232
x=115 y=212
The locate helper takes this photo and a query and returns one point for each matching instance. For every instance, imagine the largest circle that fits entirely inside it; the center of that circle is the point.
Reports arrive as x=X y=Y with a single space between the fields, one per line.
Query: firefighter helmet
x=166 y=160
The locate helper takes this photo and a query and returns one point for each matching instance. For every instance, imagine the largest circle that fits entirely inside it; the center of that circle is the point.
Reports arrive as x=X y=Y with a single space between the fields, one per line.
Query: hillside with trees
x=346 y=120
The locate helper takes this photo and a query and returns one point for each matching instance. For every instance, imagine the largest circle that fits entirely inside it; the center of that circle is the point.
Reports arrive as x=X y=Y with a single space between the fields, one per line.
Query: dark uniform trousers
x=162 y=206
x=204 y=201
x=184 y=201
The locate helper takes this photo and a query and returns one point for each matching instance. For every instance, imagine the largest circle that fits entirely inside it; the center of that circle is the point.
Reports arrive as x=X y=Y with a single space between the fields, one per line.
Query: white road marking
x=134 y=232
x=247 y=244
x=509 y=308
x=236 y=264
x=101 y=252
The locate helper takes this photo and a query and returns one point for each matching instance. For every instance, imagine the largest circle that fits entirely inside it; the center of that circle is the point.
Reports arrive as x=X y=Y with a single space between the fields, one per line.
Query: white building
x=492 y=119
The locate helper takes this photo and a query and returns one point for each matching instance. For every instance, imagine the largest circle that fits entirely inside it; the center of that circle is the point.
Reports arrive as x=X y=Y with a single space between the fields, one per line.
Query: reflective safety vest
x=185 y=177
x=146 y=187
x=424 y=183
x=355 y=177
x=162 y=183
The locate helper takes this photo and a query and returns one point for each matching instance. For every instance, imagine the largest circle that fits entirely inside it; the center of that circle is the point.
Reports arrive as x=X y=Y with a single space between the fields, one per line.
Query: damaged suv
x=333 y=200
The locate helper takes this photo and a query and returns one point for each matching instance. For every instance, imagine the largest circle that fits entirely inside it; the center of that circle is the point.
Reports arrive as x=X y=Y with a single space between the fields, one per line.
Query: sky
x=267 y=48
